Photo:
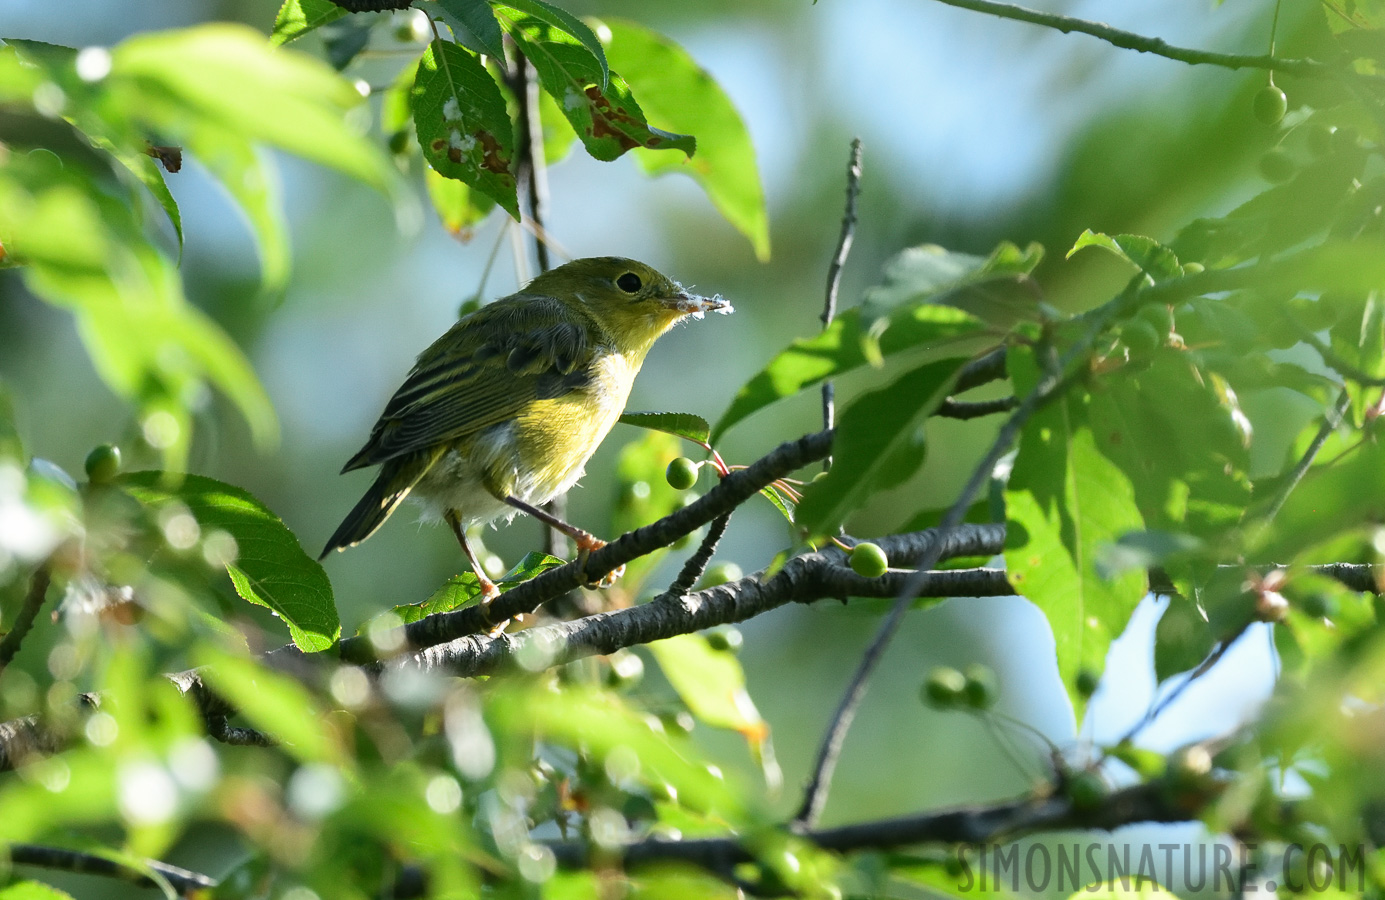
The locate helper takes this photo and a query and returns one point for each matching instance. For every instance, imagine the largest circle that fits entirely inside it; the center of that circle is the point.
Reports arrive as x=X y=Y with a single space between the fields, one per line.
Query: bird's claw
x=585 y=545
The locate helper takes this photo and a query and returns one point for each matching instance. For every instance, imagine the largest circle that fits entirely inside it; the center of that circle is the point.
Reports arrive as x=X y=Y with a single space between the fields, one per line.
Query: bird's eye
x=629 y=282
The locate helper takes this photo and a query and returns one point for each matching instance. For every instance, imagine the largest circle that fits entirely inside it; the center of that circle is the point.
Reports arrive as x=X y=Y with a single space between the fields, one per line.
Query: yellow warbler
x=503 y=411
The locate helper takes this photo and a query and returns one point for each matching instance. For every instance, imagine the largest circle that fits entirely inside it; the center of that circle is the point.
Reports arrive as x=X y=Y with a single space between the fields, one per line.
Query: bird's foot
x=586 y=543
x=489 y=593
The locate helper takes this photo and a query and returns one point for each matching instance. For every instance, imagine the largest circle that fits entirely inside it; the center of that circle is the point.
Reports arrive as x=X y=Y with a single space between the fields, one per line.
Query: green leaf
x=1164 y=426
x=1351 y=491
x=678 y=93
x=32 y=890
x=879 y=444
x=558 y=136
x=479 y=21
x=457 y=205
x=608 y=120
x=1065 y=501
x=251 y=180
x=464 y=589
x=272 y=702
x=1182 y=638
x=84 y=251
x=298 y=17
x=565 y=23
x=784 y=506
x=463 y=126
x=1125 y=889
x=1146 y=254
x=685 y=425
x=230 y=77
x=994 y=288
x=840 y=348
x=270 y=568
x=712 y=685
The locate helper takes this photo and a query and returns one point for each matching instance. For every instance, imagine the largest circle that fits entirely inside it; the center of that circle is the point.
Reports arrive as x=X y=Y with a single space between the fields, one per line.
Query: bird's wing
x=484 y=371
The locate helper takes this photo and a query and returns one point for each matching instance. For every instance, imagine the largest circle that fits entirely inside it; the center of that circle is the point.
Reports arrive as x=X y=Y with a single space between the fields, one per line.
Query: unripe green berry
x=1087 y=682
x=727 y=638
x=981 y=688
x=1086 y=790
x=944 y=688
x=868 y=560
x=681 y=473
x=1192 y=268
x=1141 y=337
x=1270 y=104
x=103 y=463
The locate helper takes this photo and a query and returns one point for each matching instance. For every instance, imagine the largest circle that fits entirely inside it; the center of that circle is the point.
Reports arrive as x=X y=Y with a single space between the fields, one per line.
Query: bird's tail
x=396 y=479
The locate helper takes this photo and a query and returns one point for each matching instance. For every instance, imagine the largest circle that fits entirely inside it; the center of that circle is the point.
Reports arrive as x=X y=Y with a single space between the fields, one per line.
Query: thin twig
x=151 y=873
x=1157 y=708
x=28 y=612
x=1126 y=40
x=834 y=278
x=697 y=563
x=975 y=409
x=1329 y=425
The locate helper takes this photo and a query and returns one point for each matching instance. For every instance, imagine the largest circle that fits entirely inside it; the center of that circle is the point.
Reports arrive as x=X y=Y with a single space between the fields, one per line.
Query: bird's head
x=633 y=302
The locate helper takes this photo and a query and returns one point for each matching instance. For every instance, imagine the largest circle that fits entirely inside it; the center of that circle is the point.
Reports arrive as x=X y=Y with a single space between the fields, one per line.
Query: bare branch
x=834 y=278
x=975 y=409
x=803 y=579
x=1126 y=40
x=965 y=825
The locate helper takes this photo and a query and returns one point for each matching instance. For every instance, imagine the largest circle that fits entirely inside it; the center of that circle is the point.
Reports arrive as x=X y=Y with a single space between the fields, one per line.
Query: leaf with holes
x=270 y=569
x=608 y=120
x=463 y=126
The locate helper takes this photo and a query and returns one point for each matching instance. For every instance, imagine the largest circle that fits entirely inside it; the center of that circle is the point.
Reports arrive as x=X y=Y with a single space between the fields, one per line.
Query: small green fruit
x=1086 y=790
x=1087 y=682
x=727 y=638
x=681 y=473
x=1270 y=104
x=1192 y=268
x=981 y=688
x=945 y=688
x=1141 y=337
x=103 y=463
x=868 y=560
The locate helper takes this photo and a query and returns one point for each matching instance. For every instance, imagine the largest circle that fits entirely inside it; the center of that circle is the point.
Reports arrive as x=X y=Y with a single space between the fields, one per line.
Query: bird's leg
x=488 y=589
x=586 y=541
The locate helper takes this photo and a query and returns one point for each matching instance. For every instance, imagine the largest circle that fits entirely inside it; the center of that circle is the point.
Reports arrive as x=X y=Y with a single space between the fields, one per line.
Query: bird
x=501 y=414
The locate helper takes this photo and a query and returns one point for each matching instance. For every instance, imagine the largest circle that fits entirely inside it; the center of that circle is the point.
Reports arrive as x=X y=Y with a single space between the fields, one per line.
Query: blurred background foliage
x=976 y=131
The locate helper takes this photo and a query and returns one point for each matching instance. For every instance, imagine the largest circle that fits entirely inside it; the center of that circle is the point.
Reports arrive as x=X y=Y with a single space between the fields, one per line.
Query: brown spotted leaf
x=608 y=120
x=463 y=126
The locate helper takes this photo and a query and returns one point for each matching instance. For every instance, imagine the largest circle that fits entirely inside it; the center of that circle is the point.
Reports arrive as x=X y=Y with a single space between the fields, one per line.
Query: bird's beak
x=689 y=304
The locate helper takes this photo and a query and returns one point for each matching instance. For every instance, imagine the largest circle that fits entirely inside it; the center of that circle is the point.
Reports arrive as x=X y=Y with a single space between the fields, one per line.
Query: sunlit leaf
x=1146 y=254
x=684 y=425
x=995 y=289
x=463 y=126
x=298 y=17
x=1065 y=502
x=458 y=206
x=562 y=22
x=270 y=568
x=479 y=21
x=229 y=76
x=644 y=495
x=839 y=349
x=679 y=94
x=465 y=589
x=607 y=119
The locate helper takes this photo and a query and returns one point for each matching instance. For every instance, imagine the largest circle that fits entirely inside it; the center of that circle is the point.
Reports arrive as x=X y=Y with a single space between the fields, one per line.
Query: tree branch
x=183 y=881
x=834 y=278
x=1150 y=802
x=803 y=579
x=1126 y=40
